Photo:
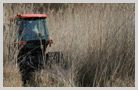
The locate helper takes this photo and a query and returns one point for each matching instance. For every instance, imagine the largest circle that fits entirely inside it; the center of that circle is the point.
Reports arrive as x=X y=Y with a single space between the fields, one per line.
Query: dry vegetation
x=98 y=41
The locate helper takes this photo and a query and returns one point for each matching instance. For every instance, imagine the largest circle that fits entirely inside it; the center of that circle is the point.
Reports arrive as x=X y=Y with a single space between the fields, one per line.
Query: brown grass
x=12 y=77
x=98 y=41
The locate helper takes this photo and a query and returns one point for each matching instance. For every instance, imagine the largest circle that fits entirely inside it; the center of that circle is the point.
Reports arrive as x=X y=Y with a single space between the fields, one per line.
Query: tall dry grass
x=98 y=41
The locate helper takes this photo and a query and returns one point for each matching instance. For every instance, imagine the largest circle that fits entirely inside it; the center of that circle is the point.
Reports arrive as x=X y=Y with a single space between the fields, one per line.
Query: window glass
x=33 y=29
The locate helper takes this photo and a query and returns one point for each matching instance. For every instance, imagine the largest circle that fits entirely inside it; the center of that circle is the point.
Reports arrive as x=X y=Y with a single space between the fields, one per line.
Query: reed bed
x=97 y=40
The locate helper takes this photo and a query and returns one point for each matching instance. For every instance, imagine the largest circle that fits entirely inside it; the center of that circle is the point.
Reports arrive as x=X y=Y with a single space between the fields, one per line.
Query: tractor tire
x=27 y=66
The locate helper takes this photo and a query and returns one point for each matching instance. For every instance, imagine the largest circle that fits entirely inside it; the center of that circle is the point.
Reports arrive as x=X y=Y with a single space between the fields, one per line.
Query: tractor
x=33 y=39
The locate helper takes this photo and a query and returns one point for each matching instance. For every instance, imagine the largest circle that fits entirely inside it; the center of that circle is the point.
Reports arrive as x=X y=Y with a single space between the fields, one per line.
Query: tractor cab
x=32 y=30
x=32 y=38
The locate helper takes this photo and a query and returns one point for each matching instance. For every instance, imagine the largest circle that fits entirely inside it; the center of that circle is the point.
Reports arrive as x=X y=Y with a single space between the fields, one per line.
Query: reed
x=97 y=40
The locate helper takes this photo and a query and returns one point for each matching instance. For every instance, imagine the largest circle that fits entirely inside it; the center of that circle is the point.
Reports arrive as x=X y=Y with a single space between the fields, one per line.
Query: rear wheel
x=29 y=64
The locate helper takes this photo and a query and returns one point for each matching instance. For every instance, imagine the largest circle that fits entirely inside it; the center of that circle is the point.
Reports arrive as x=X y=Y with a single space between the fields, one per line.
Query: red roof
x=30 y=15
